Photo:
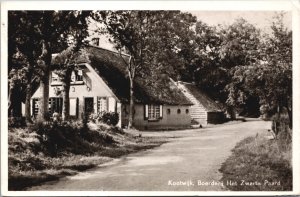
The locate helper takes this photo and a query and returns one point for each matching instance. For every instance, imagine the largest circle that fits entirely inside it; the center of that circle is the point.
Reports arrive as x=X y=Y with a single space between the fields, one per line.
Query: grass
x=32 y=163
x=258 y=164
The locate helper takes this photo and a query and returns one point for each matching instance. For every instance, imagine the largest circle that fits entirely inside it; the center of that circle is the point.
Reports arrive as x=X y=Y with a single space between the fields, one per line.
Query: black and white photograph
x=149 y=99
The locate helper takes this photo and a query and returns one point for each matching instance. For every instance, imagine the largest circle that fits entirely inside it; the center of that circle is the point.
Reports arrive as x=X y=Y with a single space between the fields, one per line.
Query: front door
x=88 y=105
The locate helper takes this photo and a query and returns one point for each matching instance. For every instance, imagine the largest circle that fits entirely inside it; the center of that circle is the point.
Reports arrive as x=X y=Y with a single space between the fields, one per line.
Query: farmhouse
x=204 y=110
x=100 y=84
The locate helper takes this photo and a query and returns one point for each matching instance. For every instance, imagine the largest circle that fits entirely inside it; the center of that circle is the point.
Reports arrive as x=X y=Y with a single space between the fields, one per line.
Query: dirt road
x=190 y=162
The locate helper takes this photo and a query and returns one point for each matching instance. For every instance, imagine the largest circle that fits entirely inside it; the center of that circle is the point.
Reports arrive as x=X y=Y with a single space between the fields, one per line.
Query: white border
x=153 y=5
x=292 y=5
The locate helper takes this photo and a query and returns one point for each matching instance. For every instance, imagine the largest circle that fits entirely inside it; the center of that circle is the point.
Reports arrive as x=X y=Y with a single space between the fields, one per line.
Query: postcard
x=109 y=98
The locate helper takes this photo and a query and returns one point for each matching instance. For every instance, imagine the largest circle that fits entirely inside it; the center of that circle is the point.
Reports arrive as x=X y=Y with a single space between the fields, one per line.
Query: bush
x=281 y=130
x=69 y=137
x=16 y=122
x=110 y=118
x=56 y=136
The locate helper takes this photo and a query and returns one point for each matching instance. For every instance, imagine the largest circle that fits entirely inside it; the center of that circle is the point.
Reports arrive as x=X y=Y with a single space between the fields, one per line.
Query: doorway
x=88 y=105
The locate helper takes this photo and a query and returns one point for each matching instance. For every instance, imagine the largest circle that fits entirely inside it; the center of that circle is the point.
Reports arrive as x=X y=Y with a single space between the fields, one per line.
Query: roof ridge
x=98 y=47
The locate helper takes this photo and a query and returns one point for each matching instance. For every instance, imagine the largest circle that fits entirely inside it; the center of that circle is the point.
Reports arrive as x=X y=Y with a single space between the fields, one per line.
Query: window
x=101 y=104
x=55 y=105
x=178 y=111
x=187 y=111
x=76 y=76
x=168 y=111
x=35 y=107
x=79 y=76
x=153 y=112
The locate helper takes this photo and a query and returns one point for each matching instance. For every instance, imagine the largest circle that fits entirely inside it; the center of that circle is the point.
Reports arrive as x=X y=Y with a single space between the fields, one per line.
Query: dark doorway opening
x=88 y=105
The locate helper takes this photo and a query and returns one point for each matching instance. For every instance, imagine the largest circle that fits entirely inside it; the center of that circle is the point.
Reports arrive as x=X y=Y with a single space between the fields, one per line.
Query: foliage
x=269 y=78
x=220 y=50
x=72 y=135
x=281 y=130
x=208 y=73
x=256 y=159
x=247 y=70
x=110 y=118
x=16 y=122
x=240 y=47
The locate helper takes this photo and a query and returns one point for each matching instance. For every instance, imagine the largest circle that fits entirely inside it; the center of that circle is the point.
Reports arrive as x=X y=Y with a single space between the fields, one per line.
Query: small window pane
x=153 y=112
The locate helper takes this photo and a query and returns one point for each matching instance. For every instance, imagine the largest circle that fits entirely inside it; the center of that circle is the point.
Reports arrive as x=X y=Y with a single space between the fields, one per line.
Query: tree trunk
x=43 y=114
x=290 y=114
x=28 y=94
x=66 y=95
x=231 y=112
x=27 y=103
x=131 y=105
x=66 y=102
x=10 y=89
x=44 y=63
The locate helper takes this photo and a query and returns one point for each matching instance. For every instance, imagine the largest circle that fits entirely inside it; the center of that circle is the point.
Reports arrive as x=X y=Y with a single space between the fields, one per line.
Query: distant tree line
x=250 y=72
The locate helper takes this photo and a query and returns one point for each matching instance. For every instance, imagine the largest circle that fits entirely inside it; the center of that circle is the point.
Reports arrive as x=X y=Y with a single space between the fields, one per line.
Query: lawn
x=258 y=164
x=33 y=160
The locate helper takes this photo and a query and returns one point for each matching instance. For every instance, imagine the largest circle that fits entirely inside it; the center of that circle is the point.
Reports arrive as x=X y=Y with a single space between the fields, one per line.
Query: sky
x=260 y=19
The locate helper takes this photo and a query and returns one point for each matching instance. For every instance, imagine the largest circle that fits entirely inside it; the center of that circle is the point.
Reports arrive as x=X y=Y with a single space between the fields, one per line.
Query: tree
x=76 y=38
x=21 y=43
x=149 y=37
x=37 y=35
x=209 y=74
x=220 y=51
x=270 y=78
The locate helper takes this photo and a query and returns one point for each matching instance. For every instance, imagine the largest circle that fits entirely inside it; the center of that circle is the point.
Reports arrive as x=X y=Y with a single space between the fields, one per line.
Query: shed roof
x=209 y=104
x=111 y=67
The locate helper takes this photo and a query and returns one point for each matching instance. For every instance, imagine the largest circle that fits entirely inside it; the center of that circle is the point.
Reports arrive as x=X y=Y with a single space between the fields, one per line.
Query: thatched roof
x=112 y=69
x=209 y=104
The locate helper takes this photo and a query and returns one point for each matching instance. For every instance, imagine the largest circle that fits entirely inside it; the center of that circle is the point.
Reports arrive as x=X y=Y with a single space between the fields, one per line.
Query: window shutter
x=107 y=104
x=160 y=111
x=60 y=105
x=73 y=107
x=146 y=112
x=77 y=107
